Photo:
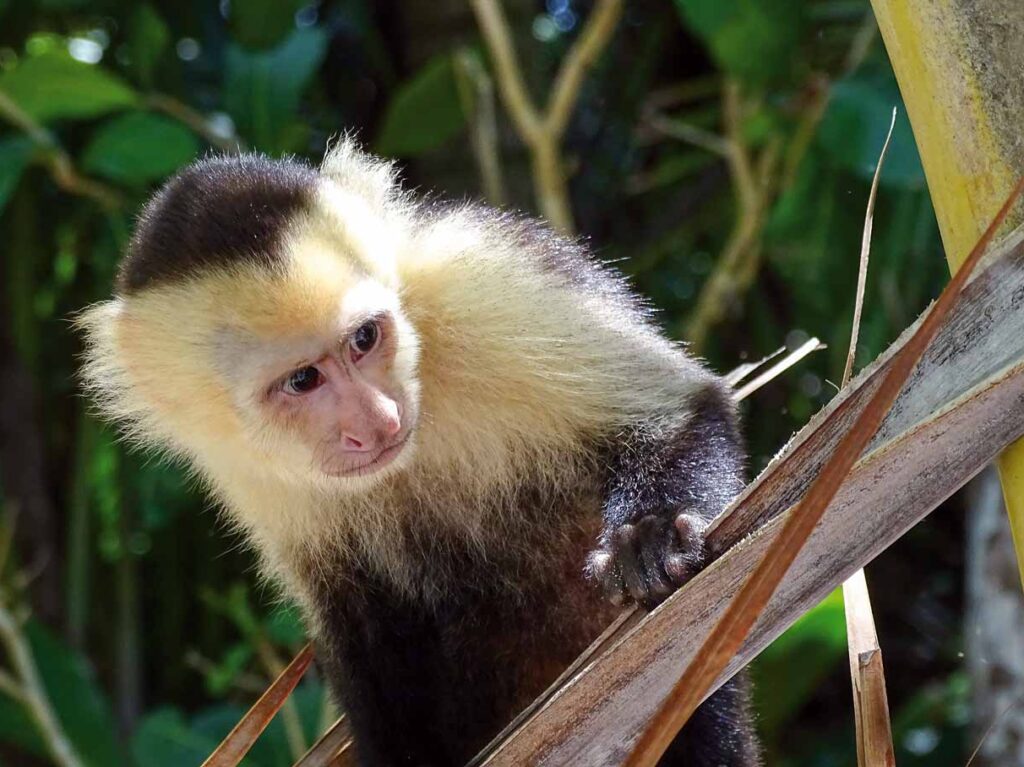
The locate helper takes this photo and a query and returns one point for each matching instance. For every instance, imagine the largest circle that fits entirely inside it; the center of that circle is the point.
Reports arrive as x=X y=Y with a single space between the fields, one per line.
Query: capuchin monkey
x=456 y=440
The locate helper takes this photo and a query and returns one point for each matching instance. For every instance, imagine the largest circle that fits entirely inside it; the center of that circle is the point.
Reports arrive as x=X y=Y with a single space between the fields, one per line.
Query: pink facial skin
x=346 y=405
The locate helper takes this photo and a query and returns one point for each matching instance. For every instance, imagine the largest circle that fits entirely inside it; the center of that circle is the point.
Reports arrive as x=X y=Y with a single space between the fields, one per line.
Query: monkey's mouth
x=382 y=459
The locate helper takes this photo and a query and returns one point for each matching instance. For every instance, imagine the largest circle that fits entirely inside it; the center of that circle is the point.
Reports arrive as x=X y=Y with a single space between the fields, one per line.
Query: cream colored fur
x=517 y=370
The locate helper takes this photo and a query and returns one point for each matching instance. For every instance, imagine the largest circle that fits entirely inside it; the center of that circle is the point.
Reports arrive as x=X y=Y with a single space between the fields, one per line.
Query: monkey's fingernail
x=624 y=535
x=600 y=563
x=677 y=568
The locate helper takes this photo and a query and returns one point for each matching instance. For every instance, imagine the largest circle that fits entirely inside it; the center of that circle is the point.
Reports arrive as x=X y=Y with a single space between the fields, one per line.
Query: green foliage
x=754 y=40
x=166 y=738
x=856 y=121
x=792 y=667
x=424 y=113
x=148 y=38
x=138 y=148
x=261 y=24
x=81 y=707
x=262 y=89
x=53 y=86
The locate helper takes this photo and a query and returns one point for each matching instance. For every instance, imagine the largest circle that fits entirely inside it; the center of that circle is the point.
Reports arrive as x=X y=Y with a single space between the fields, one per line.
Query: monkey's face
x=343 y=403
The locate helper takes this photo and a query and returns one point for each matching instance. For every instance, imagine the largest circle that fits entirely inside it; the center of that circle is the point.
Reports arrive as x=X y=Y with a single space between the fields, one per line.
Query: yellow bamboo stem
x=958 y=66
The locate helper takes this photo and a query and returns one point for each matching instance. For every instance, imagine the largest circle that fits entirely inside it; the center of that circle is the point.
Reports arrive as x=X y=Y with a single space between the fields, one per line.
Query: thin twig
x=809 y=346
x=691 y=134
x=753 y=187
x=867 y=675
x=598 y=30
x=992 y=725
x=494 y=26
x=32 y=692
x=289 y=711
x=741 y=613
x=865 y=251
x=336 y=740
x=238 y=742
x=476 y=92
x=196 y=121
x=59 y=162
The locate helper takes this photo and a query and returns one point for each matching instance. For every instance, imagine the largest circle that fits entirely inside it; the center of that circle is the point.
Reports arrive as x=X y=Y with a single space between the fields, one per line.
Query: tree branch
x=195 y=121
x=542 y=133
x=600 y=27
x=62 y=169
x=28 y=688
x=494 y=26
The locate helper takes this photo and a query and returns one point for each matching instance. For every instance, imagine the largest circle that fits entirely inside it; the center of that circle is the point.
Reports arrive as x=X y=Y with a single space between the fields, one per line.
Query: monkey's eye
x=303 y=380
x=364 y=339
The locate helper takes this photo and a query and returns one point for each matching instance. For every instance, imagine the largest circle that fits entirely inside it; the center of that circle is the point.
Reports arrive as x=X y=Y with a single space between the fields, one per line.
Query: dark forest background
x=706 y=128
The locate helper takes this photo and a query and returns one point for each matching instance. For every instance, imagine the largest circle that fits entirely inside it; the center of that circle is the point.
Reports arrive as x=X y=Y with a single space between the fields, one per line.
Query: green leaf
x=165 y=739
x=15 y=153
x=148 y=38
x=139 y=147
x=424 y=112
x=755 y=40
x=263 y=89
x=262 y=24
x=82 y=710
x=854 y=125
x=53 y=86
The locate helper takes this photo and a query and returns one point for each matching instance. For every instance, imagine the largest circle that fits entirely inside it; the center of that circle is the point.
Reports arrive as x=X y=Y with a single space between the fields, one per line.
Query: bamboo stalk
x=966 y=121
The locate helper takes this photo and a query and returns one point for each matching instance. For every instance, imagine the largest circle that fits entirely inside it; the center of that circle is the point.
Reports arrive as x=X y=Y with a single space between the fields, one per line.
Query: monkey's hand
x=647 y=560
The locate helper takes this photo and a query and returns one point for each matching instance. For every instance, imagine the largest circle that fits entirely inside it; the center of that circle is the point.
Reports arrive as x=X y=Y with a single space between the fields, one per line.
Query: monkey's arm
x=666 y=480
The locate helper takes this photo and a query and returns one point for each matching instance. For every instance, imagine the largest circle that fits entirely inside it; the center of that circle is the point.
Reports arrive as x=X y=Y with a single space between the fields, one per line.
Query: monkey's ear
x=372 y=178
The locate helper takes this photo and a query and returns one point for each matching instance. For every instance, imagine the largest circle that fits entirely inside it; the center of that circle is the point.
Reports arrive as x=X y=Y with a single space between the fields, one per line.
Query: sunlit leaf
x=15 y=153
x=54 y=86
x=139 y=147
x=263 y=89
x=424 y=112
x=261 y=24
x=148 y=37
x=755 y=40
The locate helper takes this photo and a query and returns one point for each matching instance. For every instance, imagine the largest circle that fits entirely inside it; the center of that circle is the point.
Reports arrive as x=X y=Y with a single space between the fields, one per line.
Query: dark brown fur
x=215 y=213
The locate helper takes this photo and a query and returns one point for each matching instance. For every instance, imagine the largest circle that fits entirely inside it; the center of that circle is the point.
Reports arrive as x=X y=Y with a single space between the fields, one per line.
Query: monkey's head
x=257 y=321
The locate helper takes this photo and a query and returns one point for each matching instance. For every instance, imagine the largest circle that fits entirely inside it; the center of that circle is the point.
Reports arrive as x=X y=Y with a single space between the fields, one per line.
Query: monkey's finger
x=624 y=542
x=691 y=529
x=656 y=538
x=601 y=566
x=688 y=559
